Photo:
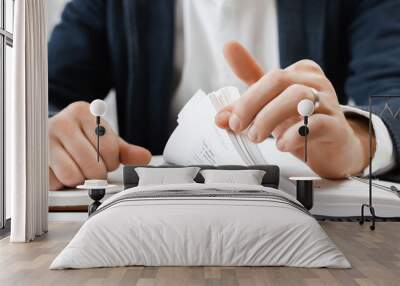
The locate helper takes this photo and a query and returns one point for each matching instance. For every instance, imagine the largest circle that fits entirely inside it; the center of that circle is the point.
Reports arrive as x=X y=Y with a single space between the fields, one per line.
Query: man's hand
x=72 y=153
x=337 y=147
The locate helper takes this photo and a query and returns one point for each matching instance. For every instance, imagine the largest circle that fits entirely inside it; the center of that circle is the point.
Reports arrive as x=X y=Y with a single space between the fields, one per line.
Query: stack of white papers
x=197 y=140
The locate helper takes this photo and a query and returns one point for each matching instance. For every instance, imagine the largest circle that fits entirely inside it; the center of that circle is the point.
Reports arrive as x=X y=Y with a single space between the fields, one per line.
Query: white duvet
x=200 y=230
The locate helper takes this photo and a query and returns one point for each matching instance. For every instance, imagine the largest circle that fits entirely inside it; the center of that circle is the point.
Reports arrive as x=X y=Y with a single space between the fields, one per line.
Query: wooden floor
x=375 y=257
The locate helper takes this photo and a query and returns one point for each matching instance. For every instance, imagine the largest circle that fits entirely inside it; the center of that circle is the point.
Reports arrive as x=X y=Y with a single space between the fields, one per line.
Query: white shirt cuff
x=383 y=159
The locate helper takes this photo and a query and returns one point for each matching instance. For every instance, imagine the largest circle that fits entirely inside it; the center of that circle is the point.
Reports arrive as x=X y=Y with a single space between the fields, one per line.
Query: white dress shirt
x=202 y=29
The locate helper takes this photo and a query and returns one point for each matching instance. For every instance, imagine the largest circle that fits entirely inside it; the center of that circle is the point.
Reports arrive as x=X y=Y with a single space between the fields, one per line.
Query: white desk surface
x=80 y=197
x=333 y=198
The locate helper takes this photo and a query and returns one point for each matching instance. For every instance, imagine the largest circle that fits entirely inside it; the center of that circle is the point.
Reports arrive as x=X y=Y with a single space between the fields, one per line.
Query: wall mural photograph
x=188 y=142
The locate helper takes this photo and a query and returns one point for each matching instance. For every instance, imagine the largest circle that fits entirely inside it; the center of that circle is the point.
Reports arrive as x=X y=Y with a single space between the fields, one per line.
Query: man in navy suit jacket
x=352 y=51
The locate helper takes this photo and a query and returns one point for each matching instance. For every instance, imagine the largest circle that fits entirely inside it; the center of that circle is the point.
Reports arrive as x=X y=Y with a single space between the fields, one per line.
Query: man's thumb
x=130 y=154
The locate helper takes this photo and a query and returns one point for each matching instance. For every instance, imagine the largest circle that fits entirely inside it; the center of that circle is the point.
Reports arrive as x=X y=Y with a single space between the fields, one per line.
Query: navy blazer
x=128 y=45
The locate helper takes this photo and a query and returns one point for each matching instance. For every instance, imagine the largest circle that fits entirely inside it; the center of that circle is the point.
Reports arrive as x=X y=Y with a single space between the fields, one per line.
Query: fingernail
x=224 y=114
x=222 y=119
x=234 y=122
x=280 y=144
x=253 y=134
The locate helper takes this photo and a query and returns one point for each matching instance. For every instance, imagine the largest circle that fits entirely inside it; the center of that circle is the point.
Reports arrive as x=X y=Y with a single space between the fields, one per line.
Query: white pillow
x=247 y=177
x=165 y=176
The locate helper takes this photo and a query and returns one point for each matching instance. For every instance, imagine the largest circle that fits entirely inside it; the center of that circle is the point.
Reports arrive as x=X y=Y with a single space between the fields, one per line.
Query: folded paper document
x=197 y=140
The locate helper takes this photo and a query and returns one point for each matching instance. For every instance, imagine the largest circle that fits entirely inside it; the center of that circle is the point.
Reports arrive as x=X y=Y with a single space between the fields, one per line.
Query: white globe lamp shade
x=98 y=107
x=305 y=107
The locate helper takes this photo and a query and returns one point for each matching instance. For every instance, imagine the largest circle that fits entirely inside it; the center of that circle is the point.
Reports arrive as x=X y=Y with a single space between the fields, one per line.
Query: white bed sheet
x=223 y=231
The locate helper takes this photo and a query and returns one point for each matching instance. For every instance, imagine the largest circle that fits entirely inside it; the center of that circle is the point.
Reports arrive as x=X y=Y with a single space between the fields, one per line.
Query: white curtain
x=26 y=142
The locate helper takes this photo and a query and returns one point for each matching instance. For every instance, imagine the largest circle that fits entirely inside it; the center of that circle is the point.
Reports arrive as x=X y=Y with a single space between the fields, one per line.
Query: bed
x=198 y=224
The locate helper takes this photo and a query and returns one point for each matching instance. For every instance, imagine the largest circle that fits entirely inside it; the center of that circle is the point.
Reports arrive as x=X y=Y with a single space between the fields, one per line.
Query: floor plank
x=375 y=257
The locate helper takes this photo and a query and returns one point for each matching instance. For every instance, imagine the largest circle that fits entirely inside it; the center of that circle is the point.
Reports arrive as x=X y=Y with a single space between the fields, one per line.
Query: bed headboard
x=270 y=179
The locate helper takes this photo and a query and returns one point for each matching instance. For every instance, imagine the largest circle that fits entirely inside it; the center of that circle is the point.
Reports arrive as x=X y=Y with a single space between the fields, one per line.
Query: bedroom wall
x=54 y=10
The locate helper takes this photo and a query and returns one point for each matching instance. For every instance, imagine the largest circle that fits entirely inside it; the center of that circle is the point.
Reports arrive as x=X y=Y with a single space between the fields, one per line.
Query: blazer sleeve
x=374 y=66
x=79 y=61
